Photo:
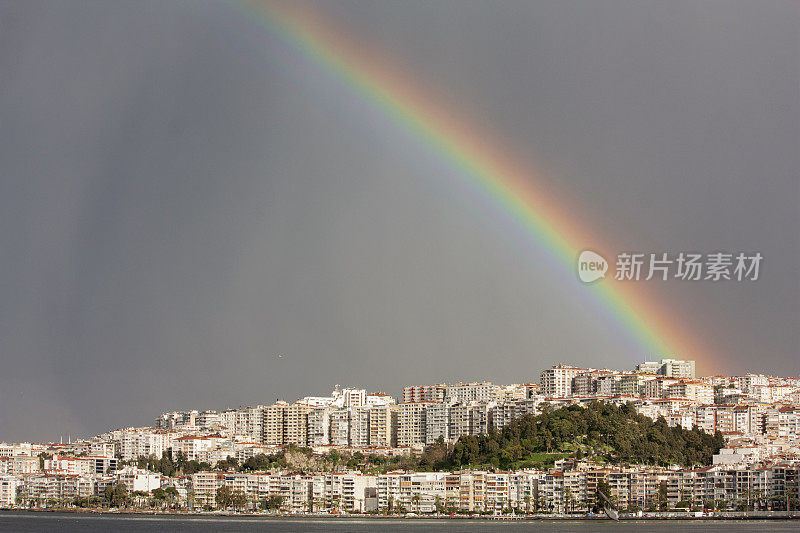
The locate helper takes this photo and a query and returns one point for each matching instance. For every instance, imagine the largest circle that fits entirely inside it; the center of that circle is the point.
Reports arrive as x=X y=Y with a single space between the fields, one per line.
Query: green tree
x=139 y=498
x=117 y=495
x=415 y=499
x=159 y=496
x=663 y=500
x=224 y=497
x=438 y=504
x=620 y=433
x=272 y=503
x=238 y=499
x=569 y=500
x=172 y=495
x=599 y=502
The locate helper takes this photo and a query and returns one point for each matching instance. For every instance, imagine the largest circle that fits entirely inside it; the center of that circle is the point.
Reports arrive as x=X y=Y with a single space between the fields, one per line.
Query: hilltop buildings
x=758 y=415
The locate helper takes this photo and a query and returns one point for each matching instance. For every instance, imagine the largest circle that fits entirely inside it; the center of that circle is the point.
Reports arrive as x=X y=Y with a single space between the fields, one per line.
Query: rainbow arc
x=520 y=191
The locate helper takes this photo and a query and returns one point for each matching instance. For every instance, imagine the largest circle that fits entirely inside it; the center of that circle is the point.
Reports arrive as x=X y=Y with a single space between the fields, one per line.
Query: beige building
x=297 y=424
x=383 y=426
x=274 y=423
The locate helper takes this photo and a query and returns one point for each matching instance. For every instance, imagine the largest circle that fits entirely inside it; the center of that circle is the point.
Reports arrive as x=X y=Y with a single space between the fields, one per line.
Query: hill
x=601 y=431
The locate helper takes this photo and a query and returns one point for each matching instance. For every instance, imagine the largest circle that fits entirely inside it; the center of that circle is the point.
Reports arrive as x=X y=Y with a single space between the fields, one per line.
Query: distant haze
x=183 y=198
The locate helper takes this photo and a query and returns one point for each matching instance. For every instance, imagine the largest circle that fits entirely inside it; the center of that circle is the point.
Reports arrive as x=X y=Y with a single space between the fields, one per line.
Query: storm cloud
x=183 y=198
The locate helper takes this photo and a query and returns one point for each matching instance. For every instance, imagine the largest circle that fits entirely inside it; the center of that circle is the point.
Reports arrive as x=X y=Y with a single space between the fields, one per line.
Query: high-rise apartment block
x=556 y=382
x=671 y=368
x=424 y=393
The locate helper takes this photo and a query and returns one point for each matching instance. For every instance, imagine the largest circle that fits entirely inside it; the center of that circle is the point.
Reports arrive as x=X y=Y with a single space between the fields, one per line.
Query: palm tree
x=416 y=499
x=569 y=499
x=172 y=495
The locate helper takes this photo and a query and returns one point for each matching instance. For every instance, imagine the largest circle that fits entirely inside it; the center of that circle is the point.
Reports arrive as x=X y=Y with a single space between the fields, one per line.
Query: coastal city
x=652 y=439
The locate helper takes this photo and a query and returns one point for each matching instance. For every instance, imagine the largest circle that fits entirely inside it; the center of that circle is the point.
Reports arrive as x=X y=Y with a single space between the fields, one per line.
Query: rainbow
x=519 y=191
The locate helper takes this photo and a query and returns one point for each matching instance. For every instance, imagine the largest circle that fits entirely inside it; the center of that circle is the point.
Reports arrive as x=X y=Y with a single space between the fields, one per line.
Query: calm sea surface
x=22 y=521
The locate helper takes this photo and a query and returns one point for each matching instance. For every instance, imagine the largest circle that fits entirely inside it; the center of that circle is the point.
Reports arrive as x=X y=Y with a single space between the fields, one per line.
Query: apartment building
x=382 y=425
x=500 y=414
x=657 y=388
x=297 y=424
x=411 y=428
x=673 y=368
x=359 y=426
x=436 y=422
x=340 y=427
x=8 y=490
x=692 y=390
x=274 y=424
x=749 y=382
x=556 y=382
x=458 y=420
x=424 y=393
x=204 y=488
x=319 y=424
x=483 y=391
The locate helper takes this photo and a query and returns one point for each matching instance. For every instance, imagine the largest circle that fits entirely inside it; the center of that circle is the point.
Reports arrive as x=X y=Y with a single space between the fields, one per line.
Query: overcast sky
x=183 y=198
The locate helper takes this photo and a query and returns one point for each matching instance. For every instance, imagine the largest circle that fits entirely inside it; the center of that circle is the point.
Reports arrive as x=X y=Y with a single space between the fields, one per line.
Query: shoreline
x=729 y=516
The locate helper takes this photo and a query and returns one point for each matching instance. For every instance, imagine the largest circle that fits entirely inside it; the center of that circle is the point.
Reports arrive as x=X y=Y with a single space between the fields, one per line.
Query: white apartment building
x=204 y=488
x=527 y=407
x=656 y=388
x=136 y=479
x=8 y=490
x=458 y=421
x=483 y=391
x=416 y=492
x=319 y=424
x=340 y=427
x=479 y=418
x=20 y=448
x=411 y=424
x=609 y=384
x=436 y=422
x=749 y=381
x=693 y=390
x=556 y=382
x=673 y=368
x=61 y=464
x=379 y=399
x=502 y=413
x=359 y=426
x=196 y=448
x=349 y=397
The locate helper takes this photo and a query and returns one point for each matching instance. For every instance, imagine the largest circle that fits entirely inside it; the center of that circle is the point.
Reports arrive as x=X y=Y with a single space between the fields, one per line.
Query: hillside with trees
x=601 y=431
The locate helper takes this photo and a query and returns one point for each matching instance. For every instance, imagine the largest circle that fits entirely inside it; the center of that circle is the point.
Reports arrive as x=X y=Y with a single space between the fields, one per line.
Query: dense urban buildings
x=758 y=416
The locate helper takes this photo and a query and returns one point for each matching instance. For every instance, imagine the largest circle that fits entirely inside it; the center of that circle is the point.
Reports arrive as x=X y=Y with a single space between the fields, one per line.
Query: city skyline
x=192 y=212
x=559 y=389
x=657 y=438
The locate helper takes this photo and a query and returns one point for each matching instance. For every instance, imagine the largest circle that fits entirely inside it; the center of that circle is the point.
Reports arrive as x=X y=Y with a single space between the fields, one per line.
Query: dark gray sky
x=182 y=198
